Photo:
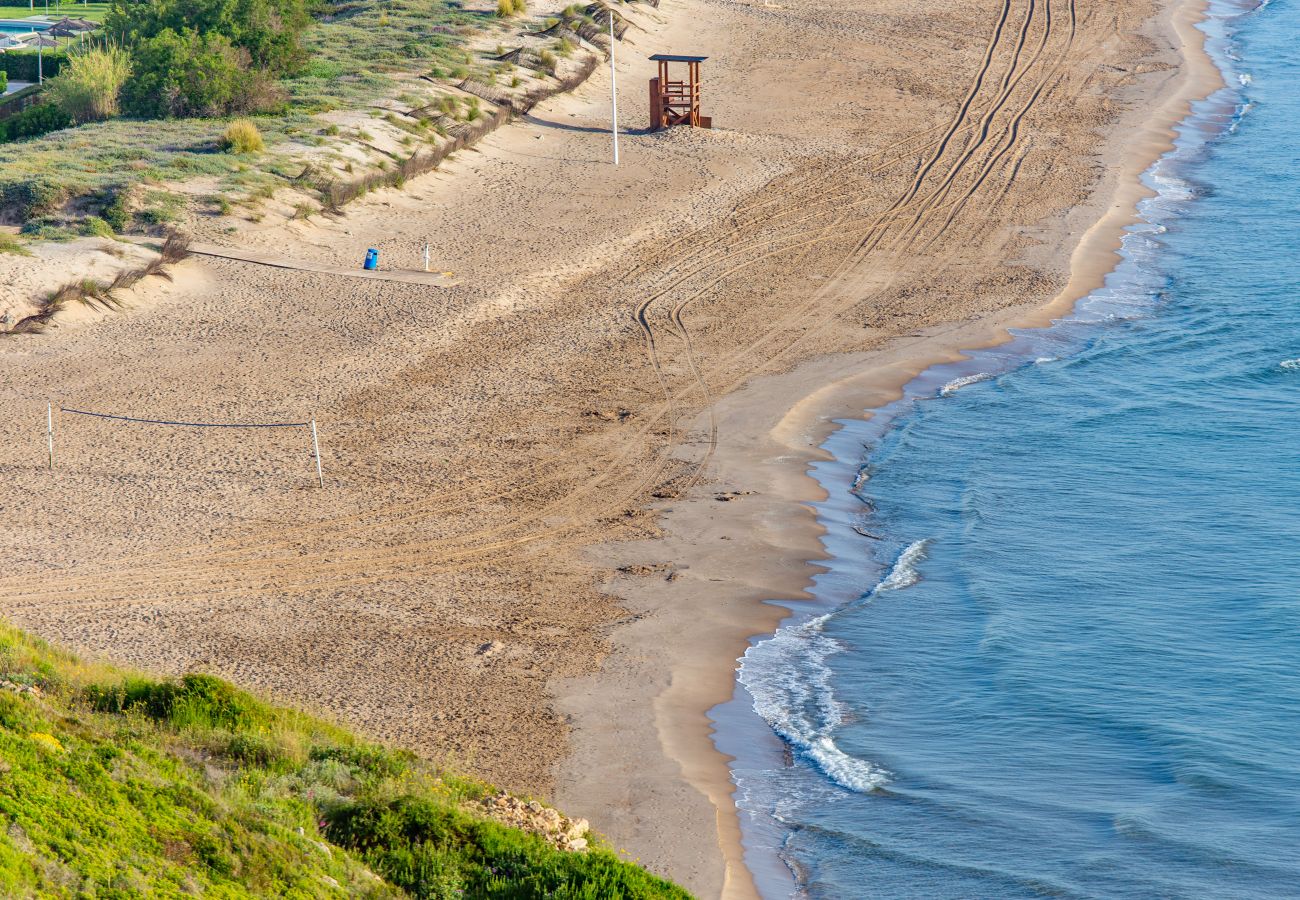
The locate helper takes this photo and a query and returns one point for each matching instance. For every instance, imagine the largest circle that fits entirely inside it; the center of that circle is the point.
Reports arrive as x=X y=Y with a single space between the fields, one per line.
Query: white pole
x=426 y=257
x=613 y=83
x=315 y=446
x=49 y=430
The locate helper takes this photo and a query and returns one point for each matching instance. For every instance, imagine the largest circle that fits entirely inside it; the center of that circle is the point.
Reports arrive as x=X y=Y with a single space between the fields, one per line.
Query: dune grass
x=242 y=136
x=359 y=51
x=117 y=784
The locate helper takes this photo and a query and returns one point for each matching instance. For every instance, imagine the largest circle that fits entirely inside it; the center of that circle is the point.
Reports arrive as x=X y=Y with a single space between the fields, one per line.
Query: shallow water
x=1068 y=665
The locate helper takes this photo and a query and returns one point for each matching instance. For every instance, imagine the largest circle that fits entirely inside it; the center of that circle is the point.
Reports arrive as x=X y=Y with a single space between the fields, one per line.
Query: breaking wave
x=958 y=383
x=790 y=681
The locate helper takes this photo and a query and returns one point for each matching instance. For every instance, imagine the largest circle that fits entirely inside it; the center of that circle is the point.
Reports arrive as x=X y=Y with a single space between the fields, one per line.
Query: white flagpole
x=613 y=83
x=49 y=430
x=315 y=445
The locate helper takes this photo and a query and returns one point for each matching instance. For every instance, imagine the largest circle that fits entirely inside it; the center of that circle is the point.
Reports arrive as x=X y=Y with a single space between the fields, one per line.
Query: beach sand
x=558 y=490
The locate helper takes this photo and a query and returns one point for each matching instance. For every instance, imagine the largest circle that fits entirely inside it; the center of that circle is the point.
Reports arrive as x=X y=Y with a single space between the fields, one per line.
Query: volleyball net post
x=315 y=446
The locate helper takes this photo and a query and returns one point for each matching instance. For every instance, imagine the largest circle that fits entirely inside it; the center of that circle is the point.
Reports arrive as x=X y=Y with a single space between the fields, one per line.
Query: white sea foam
x=1291 y=365
x=1172 y=188
x=904 y=572
x=790 y=681
x=958 y=383
x=1245 y=79
x=1044 y=360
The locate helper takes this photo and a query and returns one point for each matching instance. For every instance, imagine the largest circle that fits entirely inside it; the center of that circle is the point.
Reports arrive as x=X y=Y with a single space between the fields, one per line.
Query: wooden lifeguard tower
x=677 y=102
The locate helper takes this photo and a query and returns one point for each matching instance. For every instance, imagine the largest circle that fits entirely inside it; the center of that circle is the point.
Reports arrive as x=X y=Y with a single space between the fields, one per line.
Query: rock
x=577 y=845
x=577 y=828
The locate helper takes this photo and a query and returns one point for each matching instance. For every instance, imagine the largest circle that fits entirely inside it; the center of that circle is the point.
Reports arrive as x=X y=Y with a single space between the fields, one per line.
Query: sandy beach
x=559 y=487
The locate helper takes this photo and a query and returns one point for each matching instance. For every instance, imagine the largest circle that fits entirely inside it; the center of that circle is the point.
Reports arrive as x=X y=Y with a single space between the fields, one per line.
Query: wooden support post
x=656 y=106
x=315 y=445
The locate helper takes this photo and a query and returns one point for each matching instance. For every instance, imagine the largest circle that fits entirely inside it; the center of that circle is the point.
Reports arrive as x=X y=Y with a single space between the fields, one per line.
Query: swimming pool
x=18 y=26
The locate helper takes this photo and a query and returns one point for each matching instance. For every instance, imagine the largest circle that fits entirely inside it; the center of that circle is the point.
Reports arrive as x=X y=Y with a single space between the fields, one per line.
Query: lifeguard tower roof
x=668 y=57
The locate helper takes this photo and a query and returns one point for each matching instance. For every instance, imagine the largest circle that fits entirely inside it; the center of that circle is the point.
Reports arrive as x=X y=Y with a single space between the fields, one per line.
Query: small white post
x=49 y=430
x=315 y=446
x=613 y=83
x=426 y=257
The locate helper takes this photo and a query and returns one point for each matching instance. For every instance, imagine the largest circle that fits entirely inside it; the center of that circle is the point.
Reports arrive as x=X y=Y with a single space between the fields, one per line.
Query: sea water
x=1056 y=651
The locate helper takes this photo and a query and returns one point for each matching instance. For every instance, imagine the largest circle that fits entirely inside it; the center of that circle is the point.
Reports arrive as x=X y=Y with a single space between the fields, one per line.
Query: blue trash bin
x=372 y=259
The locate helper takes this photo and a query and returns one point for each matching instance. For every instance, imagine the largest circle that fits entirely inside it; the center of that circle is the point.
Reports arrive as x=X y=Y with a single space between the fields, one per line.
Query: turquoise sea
x=1056 y=652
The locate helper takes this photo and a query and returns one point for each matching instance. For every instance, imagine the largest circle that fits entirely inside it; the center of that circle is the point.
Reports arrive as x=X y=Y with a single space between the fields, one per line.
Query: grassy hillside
x=116 y=785
x=383 y=81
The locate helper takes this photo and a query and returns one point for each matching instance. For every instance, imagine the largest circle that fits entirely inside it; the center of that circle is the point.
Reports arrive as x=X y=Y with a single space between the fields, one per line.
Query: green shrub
x=242 y=136
x=266 y=32
x=187 y=74
x=433 y=849
x=4 y=81
x=33 y=121
x=94 y=226
x=117 y=209
x=28 y=65
x=30 y=197
x=48 y=228
x=88 y=88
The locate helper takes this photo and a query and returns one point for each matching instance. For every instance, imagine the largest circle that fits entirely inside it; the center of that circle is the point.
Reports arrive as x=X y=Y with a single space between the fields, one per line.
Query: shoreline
x=775 y=427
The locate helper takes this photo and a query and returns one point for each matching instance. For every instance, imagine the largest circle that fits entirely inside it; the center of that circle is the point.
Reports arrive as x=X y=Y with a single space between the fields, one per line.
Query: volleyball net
x=309 y=424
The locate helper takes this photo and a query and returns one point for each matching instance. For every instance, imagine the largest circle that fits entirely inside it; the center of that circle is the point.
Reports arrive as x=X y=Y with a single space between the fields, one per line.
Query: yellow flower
x=46 y=741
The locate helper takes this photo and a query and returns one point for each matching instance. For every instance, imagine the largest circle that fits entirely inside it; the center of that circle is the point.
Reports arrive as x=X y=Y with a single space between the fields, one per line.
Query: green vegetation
x=34 y=120
x=93 y=12
x=189 y=74
x=11 y=244
x=207 y=57
x=28 y=65
x=117 y=785
x=266 y=30
x=87 y=88
x=196 y=64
